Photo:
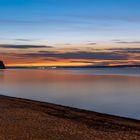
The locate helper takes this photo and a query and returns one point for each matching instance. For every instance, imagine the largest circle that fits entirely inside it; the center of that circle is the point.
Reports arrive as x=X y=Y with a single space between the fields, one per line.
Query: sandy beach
x=22 y=119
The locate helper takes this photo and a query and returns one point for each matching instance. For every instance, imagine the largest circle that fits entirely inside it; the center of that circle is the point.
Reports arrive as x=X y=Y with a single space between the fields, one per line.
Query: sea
x=113 y=91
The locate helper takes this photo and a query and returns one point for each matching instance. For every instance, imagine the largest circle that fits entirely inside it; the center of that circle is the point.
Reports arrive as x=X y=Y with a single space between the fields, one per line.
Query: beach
x=26 y=119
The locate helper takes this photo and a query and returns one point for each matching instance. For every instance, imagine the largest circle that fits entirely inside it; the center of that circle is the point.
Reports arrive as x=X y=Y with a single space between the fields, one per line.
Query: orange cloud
x=71 y=57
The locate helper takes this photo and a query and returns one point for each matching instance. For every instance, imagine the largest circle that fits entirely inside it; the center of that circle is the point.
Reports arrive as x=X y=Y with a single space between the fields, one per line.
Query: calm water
x=112 y=91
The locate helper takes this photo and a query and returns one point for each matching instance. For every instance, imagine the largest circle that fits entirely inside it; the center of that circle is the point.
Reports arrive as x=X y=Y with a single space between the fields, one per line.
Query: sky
x=69 y=32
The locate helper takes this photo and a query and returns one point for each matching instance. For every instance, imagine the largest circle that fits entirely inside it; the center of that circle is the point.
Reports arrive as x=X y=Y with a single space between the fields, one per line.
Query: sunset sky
x=69 y=32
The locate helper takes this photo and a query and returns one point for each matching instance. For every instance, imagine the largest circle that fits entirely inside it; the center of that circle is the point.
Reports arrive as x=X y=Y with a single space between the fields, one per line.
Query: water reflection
x=1 y=76
x=112 y=94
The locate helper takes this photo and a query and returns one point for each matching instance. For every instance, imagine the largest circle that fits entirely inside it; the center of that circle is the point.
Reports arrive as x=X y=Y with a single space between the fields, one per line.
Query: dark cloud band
x=8 y=46
x=79 y=55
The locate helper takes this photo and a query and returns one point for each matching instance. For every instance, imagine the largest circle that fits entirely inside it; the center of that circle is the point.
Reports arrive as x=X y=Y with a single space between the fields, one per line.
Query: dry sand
x=30 y=120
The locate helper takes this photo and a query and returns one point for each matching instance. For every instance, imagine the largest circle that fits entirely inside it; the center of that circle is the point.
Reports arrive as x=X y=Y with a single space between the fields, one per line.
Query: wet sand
x=22 y=119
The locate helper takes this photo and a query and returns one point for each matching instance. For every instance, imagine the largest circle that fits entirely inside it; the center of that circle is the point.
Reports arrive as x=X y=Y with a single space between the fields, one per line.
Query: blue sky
x=69 y=32
x=70 y=20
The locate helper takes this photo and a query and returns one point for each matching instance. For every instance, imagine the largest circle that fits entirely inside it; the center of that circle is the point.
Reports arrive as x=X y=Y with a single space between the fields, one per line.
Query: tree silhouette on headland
x=2 y=66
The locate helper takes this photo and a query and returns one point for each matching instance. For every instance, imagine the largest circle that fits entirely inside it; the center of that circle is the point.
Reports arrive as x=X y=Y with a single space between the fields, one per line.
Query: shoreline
x=29 y=119
x=66 y=107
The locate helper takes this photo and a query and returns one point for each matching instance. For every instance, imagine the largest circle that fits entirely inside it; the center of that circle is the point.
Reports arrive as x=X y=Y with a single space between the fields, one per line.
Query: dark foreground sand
x=30 y=120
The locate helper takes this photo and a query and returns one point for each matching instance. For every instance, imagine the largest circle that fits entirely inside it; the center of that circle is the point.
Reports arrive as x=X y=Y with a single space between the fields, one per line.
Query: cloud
x=125 y=50
x=14 y=21
x=10 y=46
x=79 y=55
x=98 y=57
x=23 y=40
x=108 y=17
x=126 y=42
x=92 y=43
x=19 y=39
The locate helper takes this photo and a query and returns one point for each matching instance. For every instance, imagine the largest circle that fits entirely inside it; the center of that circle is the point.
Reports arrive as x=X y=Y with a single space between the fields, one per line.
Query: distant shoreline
x=32 y=119
x=117 y=66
